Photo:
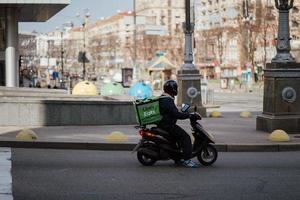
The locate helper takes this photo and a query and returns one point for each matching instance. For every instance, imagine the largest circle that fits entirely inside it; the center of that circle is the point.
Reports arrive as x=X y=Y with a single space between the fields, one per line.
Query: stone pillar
x=11 y=66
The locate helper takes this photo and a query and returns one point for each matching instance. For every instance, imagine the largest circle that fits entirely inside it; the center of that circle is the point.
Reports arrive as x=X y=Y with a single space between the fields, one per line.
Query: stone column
x=11 y=66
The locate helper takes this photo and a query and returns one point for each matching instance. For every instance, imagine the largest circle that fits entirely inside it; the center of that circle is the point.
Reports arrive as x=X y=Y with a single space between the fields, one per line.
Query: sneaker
x=190 y=164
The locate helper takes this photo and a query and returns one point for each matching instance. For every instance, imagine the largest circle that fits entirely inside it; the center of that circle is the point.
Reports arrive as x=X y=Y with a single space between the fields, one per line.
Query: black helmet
x=171 y=87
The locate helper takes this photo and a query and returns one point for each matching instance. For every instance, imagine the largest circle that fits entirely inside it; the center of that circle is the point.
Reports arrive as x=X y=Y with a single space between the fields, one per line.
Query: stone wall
x=43 y=107
x=33 y=112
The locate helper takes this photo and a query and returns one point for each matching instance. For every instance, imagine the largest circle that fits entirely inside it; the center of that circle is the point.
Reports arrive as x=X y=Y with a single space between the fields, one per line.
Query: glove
x=196 y=116
x=199 y=117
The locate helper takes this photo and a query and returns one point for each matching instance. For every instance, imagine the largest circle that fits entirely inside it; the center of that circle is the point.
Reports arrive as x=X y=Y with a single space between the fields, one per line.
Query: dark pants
x=182 y=138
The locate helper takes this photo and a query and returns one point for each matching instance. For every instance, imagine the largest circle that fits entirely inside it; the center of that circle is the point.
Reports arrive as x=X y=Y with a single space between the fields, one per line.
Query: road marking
x=5 y=174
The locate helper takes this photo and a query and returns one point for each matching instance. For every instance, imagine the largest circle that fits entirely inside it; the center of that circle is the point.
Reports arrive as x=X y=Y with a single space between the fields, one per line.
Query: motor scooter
x=157 y=144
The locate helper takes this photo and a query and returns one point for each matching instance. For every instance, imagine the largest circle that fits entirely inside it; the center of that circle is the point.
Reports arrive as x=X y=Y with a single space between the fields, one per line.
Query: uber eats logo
x=149 y=111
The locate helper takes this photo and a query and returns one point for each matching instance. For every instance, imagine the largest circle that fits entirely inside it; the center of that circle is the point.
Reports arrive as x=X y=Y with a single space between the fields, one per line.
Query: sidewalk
x=231 y=133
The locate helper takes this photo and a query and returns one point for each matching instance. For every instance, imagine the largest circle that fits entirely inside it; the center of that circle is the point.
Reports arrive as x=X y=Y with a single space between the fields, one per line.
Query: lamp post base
x=281 y=109
x=283 y=58
x=189 y=83
x=269 y=123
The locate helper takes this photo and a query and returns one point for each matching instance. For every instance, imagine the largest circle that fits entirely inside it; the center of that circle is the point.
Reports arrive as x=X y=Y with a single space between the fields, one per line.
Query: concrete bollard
x=116 y=136
x=245 y=114
x=26 y=135
x=215 y=114
x=279 y=136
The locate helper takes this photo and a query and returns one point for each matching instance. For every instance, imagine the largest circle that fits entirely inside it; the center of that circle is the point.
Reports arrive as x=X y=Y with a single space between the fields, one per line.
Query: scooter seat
x=165 y=135
x=160 y=131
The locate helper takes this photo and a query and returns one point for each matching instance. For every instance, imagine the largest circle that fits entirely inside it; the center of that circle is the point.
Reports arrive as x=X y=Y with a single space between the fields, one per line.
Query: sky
x=97 y=9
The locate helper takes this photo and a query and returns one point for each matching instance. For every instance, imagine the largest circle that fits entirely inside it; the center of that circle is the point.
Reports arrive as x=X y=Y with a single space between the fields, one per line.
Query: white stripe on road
x=5 y=174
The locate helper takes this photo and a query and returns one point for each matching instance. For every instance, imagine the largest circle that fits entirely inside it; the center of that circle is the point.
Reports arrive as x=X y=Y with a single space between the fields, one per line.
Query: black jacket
x=169 y=112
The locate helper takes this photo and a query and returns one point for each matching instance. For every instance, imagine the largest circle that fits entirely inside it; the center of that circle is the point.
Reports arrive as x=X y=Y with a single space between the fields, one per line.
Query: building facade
x=126 y=39
x=12 y=12
x=234 y=36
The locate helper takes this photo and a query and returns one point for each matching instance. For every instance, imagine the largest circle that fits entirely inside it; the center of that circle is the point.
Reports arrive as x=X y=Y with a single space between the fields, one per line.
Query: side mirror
x=185 y=107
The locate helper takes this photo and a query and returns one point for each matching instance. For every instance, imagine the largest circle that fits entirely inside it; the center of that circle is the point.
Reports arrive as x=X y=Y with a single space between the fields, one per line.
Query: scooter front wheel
x=207 y=155
x=145 y=159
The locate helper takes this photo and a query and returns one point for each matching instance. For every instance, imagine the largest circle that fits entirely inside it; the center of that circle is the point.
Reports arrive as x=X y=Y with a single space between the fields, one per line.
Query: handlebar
x=194 y=116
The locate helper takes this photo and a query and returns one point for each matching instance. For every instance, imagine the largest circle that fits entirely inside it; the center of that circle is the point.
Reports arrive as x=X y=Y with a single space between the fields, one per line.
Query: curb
x=130 y=146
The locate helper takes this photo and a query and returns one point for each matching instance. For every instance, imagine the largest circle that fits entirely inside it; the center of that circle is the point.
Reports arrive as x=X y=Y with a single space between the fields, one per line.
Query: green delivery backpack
x=147 y=110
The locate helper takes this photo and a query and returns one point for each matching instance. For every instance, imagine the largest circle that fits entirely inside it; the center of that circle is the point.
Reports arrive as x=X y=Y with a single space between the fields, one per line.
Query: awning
x=35 y=10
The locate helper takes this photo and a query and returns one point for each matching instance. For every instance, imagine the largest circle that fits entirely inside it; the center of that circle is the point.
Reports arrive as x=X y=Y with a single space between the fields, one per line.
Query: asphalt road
x=97 y=175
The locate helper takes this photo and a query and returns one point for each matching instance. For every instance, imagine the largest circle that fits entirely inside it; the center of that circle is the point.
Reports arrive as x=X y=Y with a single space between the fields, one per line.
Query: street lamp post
x=136 y=73
x=281 y=108
x=283 y=46
x=62 y=81
x=83 y=55
x=247 y=50
x=188 y=28
x=48 y=61
x=62 y=60
x=85 y=20
x=189 y=78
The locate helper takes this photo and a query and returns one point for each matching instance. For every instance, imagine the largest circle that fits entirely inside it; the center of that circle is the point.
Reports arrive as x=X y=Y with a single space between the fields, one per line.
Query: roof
x=35 y=10
x=114 y=17
x=159 y=63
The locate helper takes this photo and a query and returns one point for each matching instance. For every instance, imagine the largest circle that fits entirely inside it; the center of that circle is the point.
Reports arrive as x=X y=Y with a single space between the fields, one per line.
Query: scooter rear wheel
x=145 y=159
x=207 y=155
